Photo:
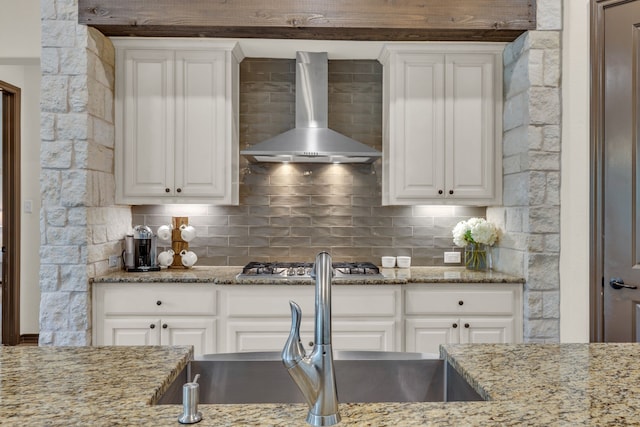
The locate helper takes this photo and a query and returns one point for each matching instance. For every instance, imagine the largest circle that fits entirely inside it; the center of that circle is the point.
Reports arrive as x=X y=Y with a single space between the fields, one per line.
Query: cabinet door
x=200 y=333
x=426 y=335
x=202 y=138
x=264 y=335
x=363 y=335
x=415 y=148
x=132 y=331
x=486 y=330
x=470 y=126
x=145 y=142
x=254 y=335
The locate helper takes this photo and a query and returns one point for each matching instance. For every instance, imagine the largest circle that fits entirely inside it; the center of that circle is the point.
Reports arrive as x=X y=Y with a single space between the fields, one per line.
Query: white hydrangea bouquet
x=475 y=235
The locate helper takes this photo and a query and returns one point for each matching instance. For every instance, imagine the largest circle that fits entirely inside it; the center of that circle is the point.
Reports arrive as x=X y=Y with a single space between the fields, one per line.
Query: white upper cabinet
x=176 y=121
x=442 y=124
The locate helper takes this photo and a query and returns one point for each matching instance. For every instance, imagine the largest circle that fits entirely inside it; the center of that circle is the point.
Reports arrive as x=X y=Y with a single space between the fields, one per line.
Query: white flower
x=459 y=232
x=474 y=230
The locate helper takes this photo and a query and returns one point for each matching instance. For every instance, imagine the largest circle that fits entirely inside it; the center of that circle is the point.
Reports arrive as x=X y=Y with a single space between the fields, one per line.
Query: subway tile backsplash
x=289 y=212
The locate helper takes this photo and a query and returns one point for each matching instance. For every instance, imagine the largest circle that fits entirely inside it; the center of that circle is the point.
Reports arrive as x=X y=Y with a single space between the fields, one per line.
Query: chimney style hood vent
x=311 y=141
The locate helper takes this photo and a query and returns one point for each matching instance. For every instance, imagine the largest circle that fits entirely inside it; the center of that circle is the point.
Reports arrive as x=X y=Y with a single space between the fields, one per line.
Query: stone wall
x=79 y=224
x=530 y=215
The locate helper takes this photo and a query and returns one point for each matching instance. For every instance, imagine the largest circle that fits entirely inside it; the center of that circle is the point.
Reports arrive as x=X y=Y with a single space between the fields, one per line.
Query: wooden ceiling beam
x=401 y=20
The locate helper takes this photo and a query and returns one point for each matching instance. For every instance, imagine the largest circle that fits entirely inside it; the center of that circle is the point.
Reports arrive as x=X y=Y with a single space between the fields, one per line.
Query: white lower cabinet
x=254 y=335
x=461 y=313
x=426 y=335
x=258 y=318
x=261 y=335
x=155 y=314
x=200 y=333
x=130 y=331
x=166 y=331
x=241 y=318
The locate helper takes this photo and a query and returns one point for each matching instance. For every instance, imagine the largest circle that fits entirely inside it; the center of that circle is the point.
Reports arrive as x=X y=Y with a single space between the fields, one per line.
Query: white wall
x=20 y=66
x=19 y=29
x=574 y=216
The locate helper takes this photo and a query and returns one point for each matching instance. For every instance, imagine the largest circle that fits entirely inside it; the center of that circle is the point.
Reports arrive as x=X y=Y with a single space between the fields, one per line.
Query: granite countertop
x=85 y=385
x=526 y=384
x=392 y=276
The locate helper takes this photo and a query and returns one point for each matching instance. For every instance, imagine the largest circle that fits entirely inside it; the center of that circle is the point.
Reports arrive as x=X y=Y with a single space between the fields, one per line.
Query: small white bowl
x=404 y=261
x=388 y=261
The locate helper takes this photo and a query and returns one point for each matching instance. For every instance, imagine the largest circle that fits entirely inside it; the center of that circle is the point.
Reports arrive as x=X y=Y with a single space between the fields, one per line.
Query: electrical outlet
x=452 y=257
x=114 y=260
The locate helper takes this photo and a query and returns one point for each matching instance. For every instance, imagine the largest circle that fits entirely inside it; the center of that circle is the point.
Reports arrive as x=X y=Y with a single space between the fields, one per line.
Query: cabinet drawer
x=273 y=301
x=441 y=301
x=365 y=301
x=158 y=299
x=267 y=301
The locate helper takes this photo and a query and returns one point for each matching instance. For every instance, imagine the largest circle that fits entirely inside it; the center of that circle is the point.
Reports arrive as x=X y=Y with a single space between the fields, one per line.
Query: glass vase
x=477 y=256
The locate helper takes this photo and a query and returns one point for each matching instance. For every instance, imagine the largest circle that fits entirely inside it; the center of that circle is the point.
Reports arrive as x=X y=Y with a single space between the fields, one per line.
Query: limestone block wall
x=79 y=224
x=530 y=215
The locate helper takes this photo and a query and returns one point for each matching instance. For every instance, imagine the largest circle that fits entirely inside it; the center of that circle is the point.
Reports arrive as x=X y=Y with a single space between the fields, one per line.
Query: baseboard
x=29 y=339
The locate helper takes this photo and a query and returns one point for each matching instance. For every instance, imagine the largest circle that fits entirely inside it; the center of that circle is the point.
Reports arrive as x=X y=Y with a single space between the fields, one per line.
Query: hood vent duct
x=311 y=141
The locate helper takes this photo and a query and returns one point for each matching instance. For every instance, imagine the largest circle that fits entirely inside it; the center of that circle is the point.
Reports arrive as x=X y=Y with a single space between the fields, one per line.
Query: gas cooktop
x=302 y=270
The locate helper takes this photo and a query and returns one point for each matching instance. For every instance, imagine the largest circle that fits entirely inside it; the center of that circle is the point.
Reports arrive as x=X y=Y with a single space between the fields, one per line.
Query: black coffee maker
x=140 y=253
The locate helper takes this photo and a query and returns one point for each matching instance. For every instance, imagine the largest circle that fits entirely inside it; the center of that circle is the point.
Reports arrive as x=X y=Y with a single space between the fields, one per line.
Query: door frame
x=11 y=202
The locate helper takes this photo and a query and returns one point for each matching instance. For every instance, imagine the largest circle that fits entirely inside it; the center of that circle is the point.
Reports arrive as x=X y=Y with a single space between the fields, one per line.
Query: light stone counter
x=527 y=384
x=227 y=276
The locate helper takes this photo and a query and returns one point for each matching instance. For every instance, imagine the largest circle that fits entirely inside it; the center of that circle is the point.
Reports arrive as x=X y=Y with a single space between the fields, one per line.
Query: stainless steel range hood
x=311 y=141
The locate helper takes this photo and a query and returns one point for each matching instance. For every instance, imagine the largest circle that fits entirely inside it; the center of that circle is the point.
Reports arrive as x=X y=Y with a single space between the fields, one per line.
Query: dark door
x=10 y=97
x=619 y=23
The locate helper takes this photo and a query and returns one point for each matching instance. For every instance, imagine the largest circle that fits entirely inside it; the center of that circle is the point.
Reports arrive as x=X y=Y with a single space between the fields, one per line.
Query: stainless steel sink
x=361 y=376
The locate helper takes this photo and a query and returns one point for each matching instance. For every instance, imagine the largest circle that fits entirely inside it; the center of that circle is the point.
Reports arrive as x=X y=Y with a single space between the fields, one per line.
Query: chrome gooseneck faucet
x=314 y=373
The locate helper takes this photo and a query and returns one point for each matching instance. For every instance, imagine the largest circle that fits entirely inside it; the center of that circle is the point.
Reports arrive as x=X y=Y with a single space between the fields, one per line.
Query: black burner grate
x=274 y=268
x=304 y=268
x=359 y=268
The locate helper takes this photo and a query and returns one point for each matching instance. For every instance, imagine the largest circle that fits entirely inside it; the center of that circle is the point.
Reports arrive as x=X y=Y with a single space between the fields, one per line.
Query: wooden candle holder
x=177 y=244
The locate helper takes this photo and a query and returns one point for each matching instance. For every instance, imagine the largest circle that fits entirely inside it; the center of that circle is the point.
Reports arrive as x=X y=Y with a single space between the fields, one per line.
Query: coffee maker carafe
x=140 y=250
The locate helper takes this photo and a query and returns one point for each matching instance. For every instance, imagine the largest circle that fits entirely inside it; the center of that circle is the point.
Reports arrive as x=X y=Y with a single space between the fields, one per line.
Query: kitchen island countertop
x=526 y=384
x=392 y=276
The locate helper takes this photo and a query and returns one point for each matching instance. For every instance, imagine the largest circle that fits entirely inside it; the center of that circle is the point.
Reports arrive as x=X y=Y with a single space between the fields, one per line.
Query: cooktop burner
x=293 y=270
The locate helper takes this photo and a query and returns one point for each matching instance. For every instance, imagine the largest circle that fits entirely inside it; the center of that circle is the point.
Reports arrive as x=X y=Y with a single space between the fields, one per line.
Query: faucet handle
x=293 y=350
